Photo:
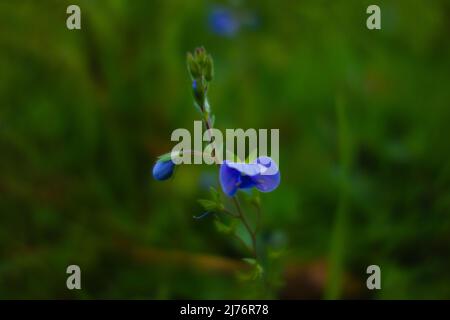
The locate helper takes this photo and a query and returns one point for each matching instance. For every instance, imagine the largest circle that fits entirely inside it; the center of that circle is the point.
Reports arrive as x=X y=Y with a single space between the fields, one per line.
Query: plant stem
x=231 y=214
x=258 y=218
x=208 y=126
x=241 y=216
x=246 y=225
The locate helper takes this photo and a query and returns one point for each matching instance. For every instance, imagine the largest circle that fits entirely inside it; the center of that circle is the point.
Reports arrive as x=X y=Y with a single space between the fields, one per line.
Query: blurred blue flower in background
x=223 y=21
x=263 y=174
x=163 y=169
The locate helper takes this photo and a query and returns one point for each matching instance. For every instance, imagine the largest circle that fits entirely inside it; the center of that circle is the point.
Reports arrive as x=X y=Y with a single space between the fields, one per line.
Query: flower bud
x=163 y=169
x=200 y=65
x=209 y=68
x=193 y=67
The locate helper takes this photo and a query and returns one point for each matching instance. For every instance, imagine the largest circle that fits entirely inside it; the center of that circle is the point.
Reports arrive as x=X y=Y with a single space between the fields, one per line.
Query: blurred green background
x=364 y=153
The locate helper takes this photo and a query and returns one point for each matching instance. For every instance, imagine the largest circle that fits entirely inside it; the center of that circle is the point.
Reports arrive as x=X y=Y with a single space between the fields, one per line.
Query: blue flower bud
x=163 y=170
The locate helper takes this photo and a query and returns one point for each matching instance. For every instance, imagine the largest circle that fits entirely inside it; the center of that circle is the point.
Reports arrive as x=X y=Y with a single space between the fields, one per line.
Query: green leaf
x=193 y=66
x=198 y=108
x=255 y=272
x=207 y=107
x=208 y=205
x=215 y=195
x=209 y=68
x=222 y=227
x=234 y=224
x=250 y=261
x=213 y=204
x=165 y=156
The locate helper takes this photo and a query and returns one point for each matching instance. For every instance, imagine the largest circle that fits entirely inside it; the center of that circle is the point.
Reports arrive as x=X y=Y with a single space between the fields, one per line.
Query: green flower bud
x=200 y=65
x=193 y=66
x=209 y=68
x=199 y=52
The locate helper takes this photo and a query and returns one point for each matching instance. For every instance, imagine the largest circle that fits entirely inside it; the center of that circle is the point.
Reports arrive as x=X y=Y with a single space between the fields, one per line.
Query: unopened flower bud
x=193 y=66
x=200 y=65
x=209 y=68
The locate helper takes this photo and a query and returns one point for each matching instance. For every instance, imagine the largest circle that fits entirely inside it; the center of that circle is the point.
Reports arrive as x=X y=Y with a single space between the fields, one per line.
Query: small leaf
x=215 y=195
x=193 y=66
x=209 y=68
x=207 y=107
x=165 y=156
x=234 y=224
x=222 y=228
x=255 y=272
x=208 y=205
x=198 y=108
x=250 y=261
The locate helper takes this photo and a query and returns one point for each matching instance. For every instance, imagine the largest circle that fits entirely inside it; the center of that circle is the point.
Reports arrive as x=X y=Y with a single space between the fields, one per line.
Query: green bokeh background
x=364 y=152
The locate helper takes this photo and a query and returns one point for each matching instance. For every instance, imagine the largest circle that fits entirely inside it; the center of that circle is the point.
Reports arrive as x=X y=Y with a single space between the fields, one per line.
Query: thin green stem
x=207 y=121
x=258 y=218
x=239 y=239
x=246 y=225
x=231 y=214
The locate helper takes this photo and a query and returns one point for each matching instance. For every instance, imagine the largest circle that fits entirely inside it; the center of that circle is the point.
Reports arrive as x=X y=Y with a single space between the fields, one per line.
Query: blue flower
x=263 y=174
x=223 y=22
x=163 y=169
